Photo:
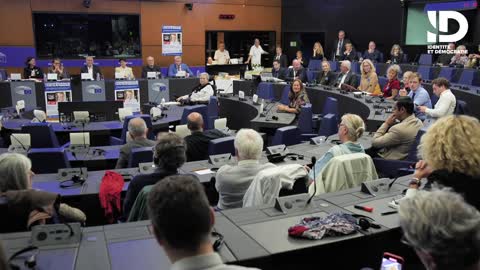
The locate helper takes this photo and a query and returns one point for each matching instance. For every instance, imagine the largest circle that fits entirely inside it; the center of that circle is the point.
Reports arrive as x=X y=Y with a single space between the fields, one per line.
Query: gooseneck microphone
x=391 y=183
x=17 y=140
x=314 y=161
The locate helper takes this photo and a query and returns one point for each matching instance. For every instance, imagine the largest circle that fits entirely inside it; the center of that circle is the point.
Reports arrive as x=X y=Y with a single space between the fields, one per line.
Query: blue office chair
x=333 y=65
x=425 y=59
x=359 y=55
x=123 y=139
x=286 y=135
x=212 y=112
x=312 y=75
x=48 y=160
x=315 y=64
x=425 y=71
x=41 y=134
x=285 y=100
x=330 y=106
x=381 y=58
x=356 y=67
x=265 y=91
x=3 y=75
x=140 y=155
x=201 y=109
x=305 y=124
x=466 y=78
x=393 y=168
x=382 y=81
x=329 y=125
x=461 y=107
x=221 y=146
x=447 y=72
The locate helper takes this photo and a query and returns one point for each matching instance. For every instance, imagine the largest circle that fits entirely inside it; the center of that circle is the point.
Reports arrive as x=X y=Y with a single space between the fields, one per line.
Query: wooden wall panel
x=97 y=6
x=16 y=23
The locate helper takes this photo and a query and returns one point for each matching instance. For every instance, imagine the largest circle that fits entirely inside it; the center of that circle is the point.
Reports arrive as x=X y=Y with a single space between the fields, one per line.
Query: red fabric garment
x=109 y=195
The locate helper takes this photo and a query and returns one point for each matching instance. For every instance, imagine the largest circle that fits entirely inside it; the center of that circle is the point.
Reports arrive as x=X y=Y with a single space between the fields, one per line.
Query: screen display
x=390 y=264
x=78 y=35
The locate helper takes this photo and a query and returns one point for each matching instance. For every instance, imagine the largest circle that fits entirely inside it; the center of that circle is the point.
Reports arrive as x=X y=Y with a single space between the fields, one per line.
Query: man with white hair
x=346 y=75
x=201 y=93
x=442 y=228
x=150 y=67
x=296 y=72
x=179 y=66
x=233 y=181
x=136 y=137
x=91 y=69
x=255 y=54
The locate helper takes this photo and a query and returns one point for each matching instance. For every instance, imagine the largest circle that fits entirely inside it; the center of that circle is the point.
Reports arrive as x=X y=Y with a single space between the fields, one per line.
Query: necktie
x=413 y=95
x=339 y=46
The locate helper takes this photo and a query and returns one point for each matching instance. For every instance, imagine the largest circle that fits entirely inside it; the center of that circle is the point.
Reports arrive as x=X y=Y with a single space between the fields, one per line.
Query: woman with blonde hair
x=317 y=51
x=326 y=77
x=350 y=129
x=450 y=150
x=396 y=55
x=369 y=79
x=392 y=87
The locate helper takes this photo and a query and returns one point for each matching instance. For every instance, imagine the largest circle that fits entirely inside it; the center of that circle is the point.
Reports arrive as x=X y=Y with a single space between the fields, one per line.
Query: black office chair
x=299 y=187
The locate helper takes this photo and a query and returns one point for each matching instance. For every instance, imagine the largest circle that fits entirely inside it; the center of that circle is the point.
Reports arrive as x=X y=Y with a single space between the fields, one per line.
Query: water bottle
x=44 y=77
x=98 y=76
x=162 y=102
x=198 y=73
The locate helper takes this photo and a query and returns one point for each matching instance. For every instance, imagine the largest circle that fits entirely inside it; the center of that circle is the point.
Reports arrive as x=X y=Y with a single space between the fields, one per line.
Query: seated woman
x=391 y=88
x=29 y=206
x=297 y=98
x=451 y=157
x=326 y=77
x=201 y=93
x=31 y=71
x=369 y=79
x=124 y=71
x=460 y=59
x=58 y=68
x=317 y=51
x=303 y=61
x=396 y=55
x=350 y=130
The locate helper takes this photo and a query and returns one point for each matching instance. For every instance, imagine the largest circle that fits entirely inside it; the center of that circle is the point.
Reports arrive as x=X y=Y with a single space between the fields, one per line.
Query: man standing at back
x=339 y=46
x=136 y=137
x=198 y=141
x=182 y=222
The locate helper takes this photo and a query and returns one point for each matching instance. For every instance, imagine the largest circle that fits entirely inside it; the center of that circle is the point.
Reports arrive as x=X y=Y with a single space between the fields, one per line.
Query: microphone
x=391 y=183
x=17 y=140
x=314 y=161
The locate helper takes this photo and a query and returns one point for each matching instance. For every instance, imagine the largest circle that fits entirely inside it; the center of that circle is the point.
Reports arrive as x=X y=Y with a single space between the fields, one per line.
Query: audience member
x=299 y=57
x=221 y=55
x=318 y=53
x=393 y=140
x=443 y=230
x=339 y=46
x=124 y=71
x=182 y=222
x=446 y=58
x=446 y=102
x=297 y=98
x=372 y=53
x=450 y=150
x=282 y=58
x=255 y=54
x=419 y=95
x=94 y=71
x=168 y=156
x=369 y=79
x=396 y=55
x=392 y=87
x=31 y=71
x=277 y=70
x=198 y=141
x=346 y=76
x=296 y=72
x=58 y=68
x=405 y=84
x=233 y=181
x=349 y=54
x=473 y=60
x=460 y=58
x=201 y=93
x=178 y=66
x=151 y=67
x=326 y=77
x=136 y=137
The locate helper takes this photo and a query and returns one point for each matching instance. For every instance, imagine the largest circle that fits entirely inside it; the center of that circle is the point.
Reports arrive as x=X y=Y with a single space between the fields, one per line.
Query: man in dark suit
x=277 y=70
x=168 y=156
x=136 y=137
x=150 y=67
x=198 y=141
x=346 y=79
x=282 y=58
x=339 y=46
x=296 y=72
x=92 y=69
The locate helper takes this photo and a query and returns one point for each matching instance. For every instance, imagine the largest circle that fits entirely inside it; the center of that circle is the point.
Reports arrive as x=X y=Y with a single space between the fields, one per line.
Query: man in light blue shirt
x=174 y=68
x=419 y=95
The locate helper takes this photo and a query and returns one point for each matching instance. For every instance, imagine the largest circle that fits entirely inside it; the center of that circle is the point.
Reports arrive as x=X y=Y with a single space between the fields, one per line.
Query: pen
x=364 y=208
x=389 y=213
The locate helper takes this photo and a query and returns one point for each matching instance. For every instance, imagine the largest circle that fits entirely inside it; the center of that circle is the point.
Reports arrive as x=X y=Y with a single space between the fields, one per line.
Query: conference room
x=239 y=134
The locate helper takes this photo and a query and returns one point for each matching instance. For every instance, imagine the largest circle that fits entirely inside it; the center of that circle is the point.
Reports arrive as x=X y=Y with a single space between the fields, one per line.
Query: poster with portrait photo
x=172 y=40
x=56 y=92
x=129 y=93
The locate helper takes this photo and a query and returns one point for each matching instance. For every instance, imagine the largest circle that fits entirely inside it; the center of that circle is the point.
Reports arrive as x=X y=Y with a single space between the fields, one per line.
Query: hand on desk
x=282 y=108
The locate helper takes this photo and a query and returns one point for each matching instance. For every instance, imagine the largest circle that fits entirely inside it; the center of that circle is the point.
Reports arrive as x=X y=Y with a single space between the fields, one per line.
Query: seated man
x=151 y=67
x=442 y=228
x=94 y=71
x=168 y=156
x=182 y=222
x=346 y=76
x=201 y=93
x=296 y=72
x=446 y=102
x=179 y=66
x=233 y=181
x=197 y=142
x=393 y=140
x=277 y=71
x=419 y=95
x=136 y=137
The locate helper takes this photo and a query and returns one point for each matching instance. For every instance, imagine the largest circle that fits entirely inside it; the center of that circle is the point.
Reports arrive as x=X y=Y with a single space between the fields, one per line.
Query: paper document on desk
x=204 y=172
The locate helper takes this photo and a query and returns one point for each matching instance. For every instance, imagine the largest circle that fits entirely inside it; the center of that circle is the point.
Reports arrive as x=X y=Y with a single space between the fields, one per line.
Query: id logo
x=443 y=17
x=94 y=89
x=23 y=90
x=157 y=87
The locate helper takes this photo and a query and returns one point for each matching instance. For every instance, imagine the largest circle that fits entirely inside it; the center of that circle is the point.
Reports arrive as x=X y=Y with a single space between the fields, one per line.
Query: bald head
x=296 y=64
x=150 y=61
x=195 y=122
x=137 y=128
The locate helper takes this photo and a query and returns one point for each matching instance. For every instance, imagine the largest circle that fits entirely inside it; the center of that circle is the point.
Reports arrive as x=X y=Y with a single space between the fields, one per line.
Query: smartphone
x=391 y=262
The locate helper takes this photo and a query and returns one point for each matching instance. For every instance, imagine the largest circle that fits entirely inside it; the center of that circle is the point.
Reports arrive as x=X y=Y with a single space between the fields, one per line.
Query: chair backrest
x=425 y=71
x=356 y=67
x=467 y=76
x=382 y=81
x=221 y=146
x=461 y=107
x=412 y=153
x=446 y=72
x=285 y=92
x=286 y=135
x=140 y=155
x=201 y=109
x=333 y=65
x=343 y=172
x=3 y=74
x=315 y=64
x=182 y=131
x=146 y=118
x=305 y=124
x=381 y=58
x=425 y=59
x=11 y=221
x=42 y=135
x=48 y=160
x=265 y=91
x=329 y=125
x=212 y=112
x=330 y=106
